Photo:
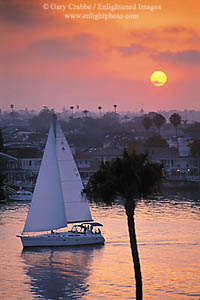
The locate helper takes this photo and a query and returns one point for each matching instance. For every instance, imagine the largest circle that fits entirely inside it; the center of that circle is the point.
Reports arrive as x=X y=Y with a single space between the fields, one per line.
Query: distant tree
x=72 y=110
x=195 y=147
x=159 y=121
x=111 y=117
x=1 y=141
x=74 y=124
x=125 y=117
x=99 y=108
x=42 y=122
x=12 y=107
x=130 y=177
x=156 y=141
x=193 y=129
x=147 y=123
x=86 y=112
x=175 y=120
x=110 y=124
x=115 y=108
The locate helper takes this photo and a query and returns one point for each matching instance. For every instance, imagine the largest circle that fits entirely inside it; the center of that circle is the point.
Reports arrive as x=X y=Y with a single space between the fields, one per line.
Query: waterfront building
x=24 y=171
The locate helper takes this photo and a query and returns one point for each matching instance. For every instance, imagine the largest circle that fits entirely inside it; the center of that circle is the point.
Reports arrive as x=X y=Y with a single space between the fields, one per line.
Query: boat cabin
x=87 y=228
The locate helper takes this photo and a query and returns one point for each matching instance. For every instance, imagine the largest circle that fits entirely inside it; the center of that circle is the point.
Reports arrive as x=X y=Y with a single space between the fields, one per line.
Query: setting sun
x=158 y=78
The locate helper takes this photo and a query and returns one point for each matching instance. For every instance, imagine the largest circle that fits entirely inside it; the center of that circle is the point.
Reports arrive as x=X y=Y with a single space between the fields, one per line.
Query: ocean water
x=168 y=234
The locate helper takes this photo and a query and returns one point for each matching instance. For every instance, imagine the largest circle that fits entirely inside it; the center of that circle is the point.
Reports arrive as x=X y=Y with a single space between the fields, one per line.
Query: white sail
x=76 y=205
x=47 y=207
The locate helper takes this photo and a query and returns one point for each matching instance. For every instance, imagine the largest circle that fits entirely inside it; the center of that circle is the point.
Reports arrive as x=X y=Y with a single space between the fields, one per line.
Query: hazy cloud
x=177 y=29
x=22 y=12
x=78 y=46
x=133 y=49
x=170 y=34
x=184 y=57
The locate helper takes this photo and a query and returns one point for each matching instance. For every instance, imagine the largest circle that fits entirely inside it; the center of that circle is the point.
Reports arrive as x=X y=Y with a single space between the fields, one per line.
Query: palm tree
x=175 y=120
x=71 y=107
x=1 y=141
x=159 y=121
x=12 y=107
x=195 y=147
x=147 y=122
x=86 y=112
x=115 y=108
x=129 y=177
x=99 y=108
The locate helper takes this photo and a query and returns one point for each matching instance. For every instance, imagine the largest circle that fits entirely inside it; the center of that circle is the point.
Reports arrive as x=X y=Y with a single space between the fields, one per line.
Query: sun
x=158 y=78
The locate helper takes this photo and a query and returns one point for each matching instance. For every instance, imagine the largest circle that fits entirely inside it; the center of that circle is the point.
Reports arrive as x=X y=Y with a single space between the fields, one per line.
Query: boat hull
x=61 y=239
x=19 y=198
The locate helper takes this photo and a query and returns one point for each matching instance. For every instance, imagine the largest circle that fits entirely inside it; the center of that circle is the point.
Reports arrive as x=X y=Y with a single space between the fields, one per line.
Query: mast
x=54 y=119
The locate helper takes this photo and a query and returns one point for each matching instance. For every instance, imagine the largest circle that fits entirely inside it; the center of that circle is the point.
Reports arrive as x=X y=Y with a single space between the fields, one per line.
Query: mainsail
x=47 y=207
x=76 y=204
x=57 y=198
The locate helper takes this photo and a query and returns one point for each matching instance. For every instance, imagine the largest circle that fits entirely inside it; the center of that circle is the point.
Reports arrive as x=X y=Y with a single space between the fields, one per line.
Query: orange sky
x=48 y=59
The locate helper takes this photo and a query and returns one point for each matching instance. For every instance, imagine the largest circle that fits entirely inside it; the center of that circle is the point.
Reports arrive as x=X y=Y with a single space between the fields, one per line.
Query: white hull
x=21 y=195
x=61 y=239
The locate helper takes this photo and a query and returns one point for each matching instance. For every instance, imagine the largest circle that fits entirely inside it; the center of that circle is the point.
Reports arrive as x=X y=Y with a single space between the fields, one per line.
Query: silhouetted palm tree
x=99 y=108
x=147 y=123
x=115 y=107
x=12 y=107
x=129 y=177
x=72 y=108
x=175 y=120
x=159 y=121
x=86 y=112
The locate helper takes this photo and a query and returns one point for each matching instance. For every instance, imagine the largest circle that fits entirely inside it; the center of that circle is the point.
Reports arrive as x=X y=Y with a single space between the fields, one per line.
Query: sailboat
x=58 y=200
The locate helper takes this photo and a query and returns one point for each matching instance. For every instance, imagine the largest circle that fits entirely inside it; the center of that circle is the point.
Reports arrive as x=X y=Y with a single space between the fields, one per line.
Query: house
x=178 y=167
x=178 y=163
x=19 y=171
x=24 y=171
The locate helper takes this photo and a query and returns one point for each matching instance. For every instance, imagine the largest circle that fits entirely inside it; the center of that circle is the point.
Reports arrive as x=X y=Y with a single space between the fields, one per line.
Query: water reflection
x=184 y=193
x=8 y=205
x=57 y=272
x=169 y=246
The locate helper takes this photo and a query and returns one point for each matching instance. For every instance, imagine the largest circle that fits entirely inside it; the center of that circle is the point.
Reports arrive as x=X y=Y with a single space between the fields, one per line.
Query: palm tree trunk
x=135 y=254
x=177 y=136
